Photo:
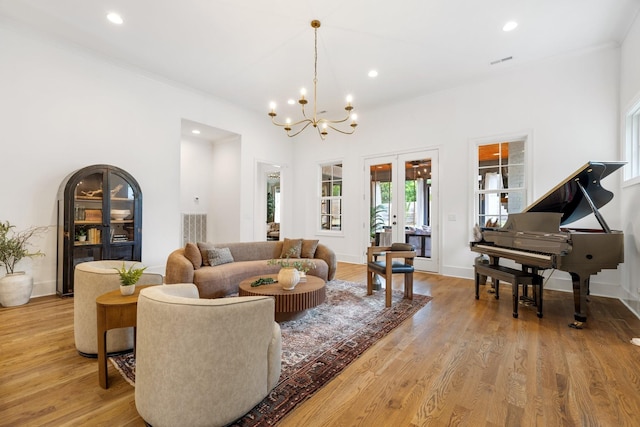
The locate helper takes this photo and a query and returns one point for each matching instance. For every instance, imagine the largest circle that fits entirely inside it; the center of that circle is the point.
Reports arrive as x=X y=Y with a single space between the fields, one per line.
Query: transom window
x=331 y=197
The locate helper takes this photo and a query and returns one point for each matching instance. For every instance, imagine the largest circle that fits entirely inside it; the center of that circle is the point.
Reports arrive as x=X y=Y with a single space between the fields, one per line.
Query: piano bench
x=513 y=276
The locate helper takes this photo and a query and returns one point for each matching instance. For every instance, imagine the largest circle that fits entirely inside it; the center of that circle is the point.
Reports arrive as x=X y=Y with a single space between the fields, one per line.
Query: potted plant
x=16 y=286
x=129 y=277
x=81 y=235
x=376 y=220
x=291 y=269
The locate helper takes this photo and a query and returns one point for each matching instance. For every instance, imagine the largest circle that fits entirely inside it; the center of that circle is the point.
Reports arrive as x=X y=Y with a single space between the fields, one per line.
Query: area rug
x=317 y=347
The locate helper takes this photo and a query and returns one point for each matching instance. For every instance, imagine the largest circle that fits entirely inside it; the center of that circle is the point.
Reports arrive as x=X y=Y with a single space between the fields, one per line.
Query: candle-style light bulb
x=349 y=107
x=302 y=100
x=272 y=107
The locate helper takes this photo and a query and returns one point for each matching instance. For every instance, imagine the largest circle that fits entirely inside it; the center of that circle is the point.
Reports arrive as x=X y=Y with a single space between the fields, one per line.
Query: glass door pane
x=381 y=191
x=88 y=213
x=417 y=212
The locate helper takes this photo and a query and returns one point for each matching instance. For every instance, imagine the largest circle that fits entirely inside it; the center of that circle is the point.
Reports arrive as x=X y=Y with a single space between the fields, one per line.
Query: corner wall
x=630 y=94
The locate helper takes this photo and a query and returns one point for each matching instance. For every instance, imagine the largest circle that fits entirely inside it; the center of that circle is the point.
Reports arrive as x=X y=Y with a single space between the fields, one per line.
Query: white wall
x=226 y=211
x=569 y=104
x=630 y=94
x=63 y=108
x=196 y=176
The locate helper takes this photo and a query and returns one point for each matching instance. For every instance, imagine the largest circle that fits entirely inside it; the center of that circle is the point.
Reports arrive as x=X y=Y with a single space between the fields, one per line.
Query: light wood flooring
x=458 y=361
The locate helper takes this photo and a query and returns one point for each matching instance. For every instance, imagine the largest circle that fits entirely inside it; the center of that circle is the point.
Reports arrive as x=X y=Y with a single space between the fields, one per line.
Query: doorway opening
x=273 y=205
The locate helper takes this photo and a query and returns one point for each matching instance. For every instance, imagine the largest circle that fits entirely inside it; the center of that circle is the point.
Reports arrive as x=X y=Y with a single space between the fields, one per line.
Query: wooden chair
x=389 y=267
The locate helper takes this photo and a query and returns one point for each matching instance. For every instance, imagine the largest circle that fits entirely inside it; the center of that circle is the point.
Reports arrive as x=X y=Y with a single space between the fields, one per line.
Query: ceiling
x=253 y=52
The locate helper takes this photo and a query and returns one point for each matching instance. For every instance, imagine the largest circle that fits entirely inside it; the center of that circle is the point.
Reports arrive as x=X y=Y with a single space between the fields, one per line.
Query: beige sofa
x=203 y=362
x=191 y=264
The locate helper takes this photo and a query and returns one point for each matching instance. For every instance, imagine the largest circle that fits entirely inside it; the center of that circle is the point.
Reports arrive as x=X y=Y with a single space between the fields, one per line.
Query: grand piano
x=538 y=240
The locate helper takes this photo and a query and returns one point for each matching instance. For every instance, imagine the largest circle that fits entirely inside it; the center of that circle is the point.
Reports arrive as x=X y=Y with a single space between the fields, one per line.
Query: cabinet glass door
x=122 y=220
x=88 y=213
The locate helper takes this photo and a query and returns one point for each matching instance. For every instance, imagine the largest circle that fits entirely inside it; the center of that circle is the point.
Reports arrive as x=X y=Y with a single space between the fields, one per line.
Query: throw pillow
x=309 y=248
x=204 y=248
x=193 y=254
x=291 y=248
x=218 y=256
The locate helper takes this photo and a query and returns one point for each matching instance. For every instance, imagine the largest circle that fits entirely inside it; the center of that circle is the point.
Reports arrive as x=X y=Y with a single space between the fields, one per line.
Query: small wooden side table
x=114 y=310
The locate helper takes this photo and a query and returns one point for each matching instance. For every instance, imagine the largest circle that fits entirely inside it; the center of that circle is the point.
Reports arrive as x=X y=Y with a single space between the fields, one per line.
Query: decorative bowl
x=120 y=214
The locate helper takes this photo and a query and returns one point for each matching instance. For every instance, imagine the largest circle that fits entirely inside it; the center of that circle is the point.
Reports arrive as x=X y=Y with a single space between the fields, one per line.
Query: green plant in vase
x=16 y=286
x=129 y=277
x=292 y=270
x=81 y=235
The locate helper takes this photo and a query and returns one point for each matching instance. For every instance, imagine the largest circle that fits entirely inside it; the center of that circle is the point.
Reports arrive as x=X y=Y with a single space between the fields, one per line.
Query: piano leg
x=580 y=290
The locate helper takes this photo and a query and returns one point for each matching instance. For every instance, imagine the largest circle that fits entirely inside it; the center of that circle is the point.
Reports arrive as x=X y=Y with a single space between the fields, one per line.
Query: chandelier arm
x=299 y=122
x=304 y=114
x=334 y=121
x=303 y=128
x=353 y=129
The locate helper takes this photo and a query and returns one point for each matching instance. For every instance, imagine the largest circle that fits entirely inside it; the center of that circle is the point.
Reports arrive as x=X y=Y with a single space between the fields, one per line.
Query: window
x=331 y=197
x=632 y=142
x=501 y=187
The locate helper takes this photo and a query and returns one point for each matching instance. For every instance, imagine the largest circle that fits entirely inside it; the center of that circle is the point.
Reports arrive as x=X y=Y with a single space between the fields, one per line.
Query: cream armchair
x=92 y=279
x=203 y=362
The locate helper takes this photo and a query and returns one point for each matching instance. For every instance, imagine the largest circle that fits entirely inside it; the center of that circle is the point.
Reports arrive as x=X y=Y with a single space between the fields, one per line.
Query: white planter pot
x=15 y=289
x=288 y=278
x=128 y=289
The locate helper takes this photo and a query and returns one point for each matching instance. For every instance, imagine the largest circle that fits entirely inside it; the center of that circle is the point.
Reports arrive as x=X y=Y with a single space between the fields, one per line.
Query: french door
x=402 y=200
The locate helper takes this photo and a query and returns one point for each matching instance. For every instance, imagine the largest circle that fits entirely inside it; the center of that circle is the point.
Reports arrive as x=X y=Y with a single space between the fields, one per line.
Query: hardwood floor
x=458 y=361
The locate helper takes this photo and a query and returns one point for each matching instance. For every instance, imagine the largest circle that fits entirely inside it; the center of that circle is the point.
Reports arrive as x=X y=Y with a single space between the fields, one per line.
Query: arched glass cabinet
x=99 y=217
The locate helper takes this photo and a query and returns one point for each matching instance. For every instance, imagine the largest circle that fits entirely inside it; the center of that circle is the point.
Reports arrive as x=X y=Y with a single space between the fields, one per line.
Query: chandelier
x=322 y=125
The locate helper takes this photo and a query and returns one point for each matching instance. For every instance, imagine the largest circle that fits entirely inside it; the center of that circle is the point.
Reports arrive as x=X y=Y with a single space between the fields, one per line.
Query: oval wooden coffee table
x=292 y=304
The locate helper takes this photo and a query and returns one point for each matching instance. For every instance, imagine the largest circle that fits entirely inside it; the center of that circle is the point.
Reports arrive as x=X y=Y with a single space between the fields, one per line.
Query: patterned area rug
x=320 y=345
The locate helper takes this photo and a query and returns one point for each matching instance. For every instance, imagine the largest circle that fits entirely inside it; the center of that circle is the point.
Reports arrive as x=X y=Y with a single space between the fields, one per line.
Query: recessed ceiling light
x=510 y=26
x=291 y=102
x=373 y=73
x=115 y=18
x=195 y=132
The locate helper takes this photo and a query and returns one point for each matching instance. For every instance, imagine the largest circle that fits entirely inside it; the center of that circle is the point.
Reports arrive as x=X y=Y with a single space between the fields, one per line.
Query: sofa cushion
x=204 y=248
x=308 y=249
x=219 y=256
x=193 y=254
x=291 y=248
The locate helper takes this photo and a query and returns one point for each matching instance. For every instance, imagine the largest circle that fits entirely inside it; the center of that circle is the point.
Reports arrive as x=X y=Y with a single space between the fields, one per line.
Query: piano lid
x=567 y=197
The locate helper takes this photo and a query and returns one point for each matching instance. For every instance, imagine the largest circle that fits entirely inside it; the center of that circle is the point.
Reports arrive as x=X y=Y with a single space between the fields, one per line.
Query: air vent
x=498 y=61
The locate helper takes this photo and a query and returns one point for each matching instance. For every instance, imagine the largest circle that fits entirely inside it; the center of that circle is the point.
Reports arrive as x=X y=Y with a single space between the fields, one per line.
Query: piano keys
x=537 y=240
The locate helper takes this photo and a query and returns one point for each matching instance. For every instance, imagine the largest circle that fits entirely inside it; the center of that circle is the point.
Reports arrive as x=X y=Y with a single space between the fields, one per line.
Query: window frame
x=631 y=142
x=526 y=189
